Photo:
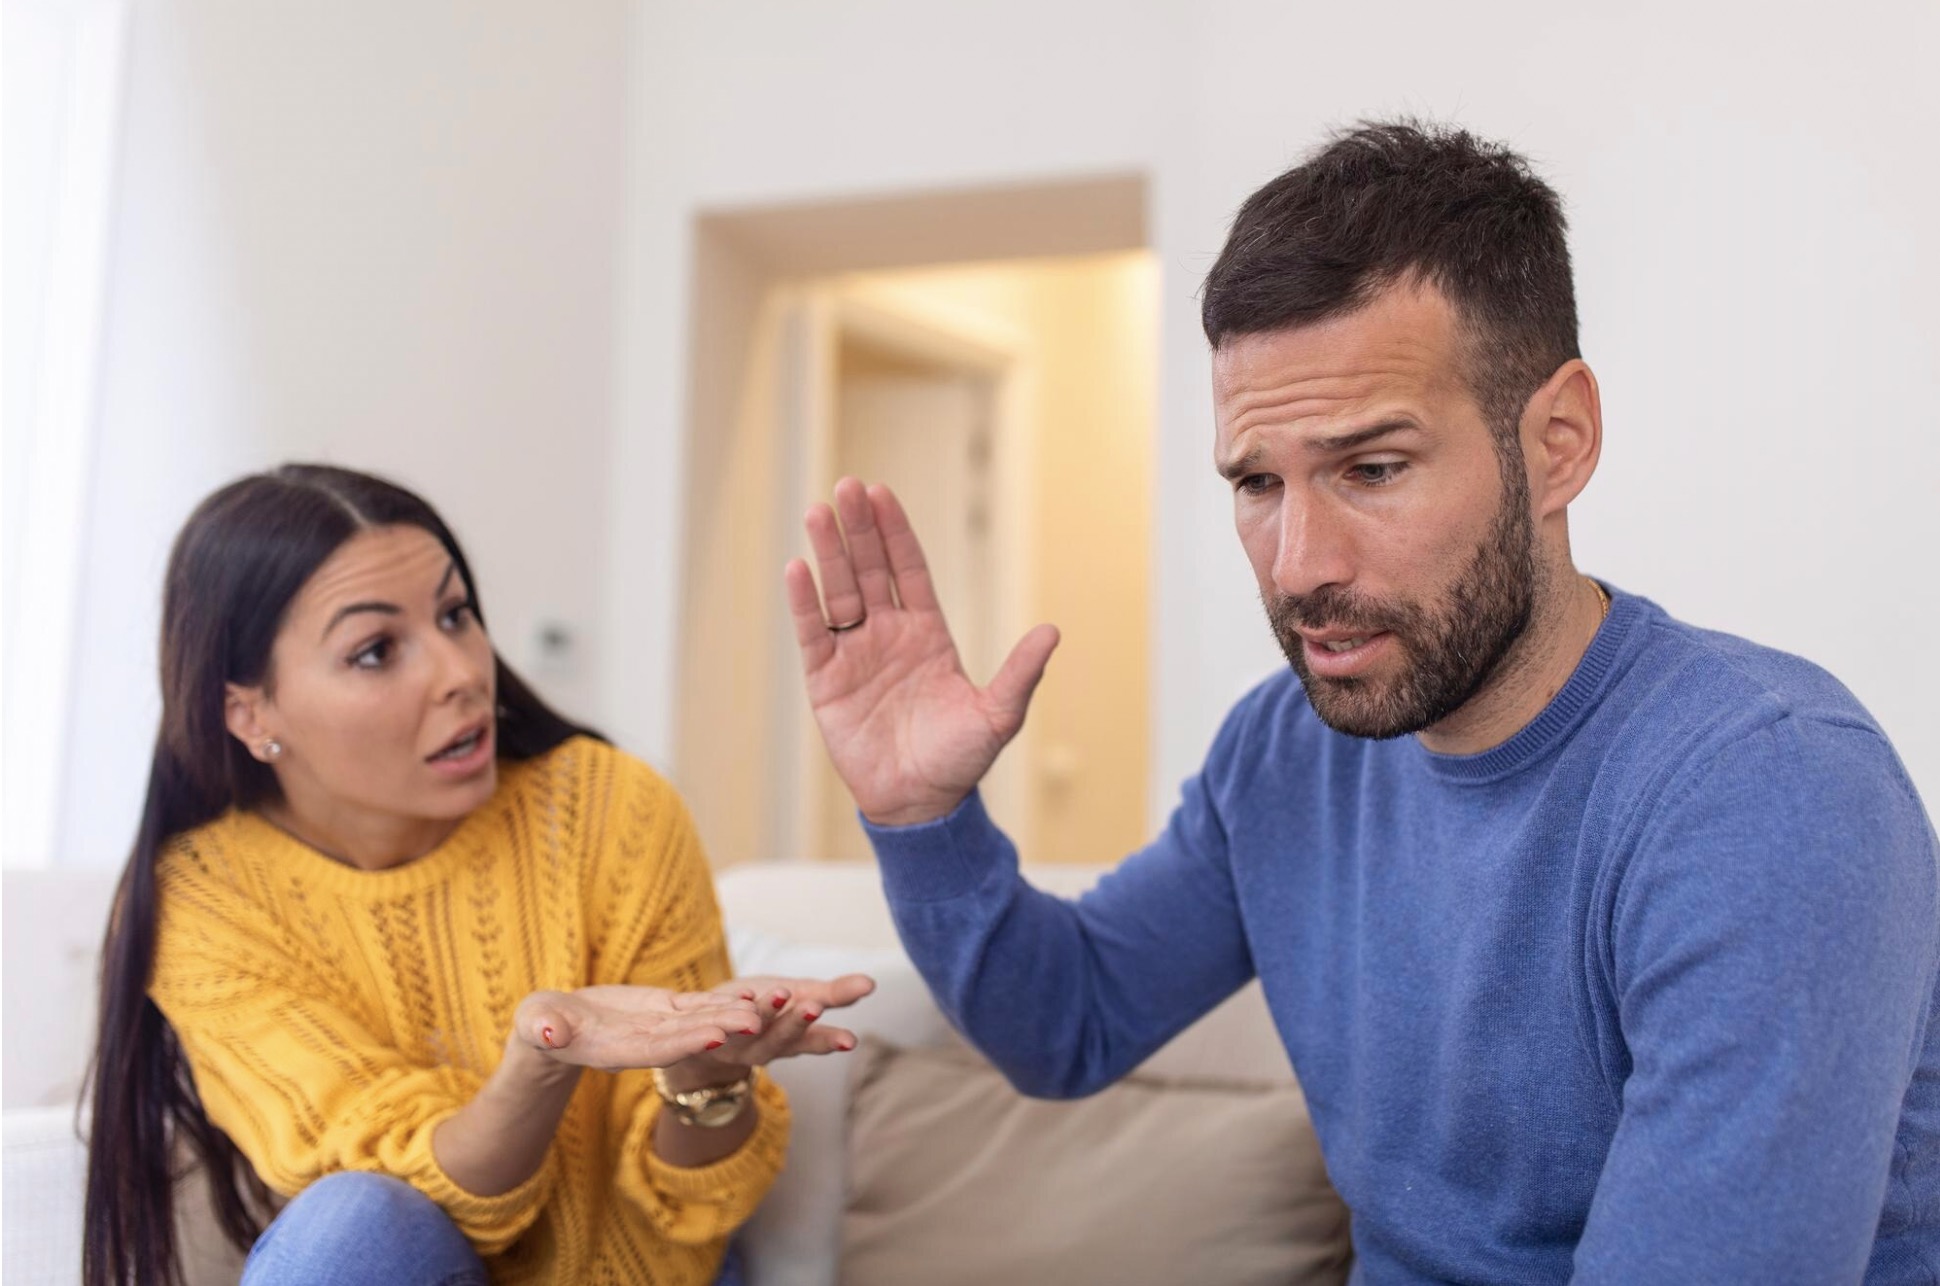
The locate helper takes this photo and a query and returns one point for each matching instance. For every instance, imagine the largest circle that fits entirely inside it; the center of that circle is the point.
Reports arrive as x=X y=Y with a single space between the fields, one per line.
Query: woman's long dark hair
x=238 y=562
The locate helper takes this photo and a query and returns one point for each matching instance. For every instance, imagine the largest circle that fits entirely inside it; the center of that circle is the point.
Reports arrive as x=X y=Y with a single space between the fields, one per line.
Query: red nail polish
x=749 y=1031
x=810 y=1017
x=780 y=1001
x=545 y=1034
x=715 y=1044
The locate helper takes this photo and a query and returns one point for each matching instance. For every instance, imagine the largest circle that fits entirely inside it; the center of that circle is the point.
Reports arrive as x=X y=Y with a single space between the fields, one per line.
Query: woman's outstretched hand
x=747 y=1022
x=907 y=730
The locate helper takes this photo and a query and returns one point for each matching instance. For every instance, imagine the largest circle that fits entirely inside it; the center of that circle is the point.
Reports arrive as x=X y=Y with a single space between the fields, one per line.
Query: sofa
x=911 y=1159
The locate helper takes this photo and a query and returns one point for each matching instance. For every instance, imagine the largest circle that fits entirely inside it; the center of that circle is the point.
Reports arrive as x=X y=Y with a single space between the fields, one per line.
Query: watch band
x=709 y=1106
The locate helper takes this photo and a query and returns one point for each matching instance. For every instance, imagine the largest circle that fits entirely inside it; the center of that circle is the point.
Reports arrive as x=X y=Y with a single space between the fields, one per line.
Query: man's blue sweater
x=1645 y=994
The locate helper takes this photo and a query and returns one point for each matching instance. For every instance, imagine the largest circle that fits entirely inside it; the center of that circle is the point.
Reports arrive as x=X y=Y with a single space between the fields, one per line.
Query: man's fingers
x=839 y=591
x=914 y=588
x=866 y=554
x=1022 y=669
x=805 y=609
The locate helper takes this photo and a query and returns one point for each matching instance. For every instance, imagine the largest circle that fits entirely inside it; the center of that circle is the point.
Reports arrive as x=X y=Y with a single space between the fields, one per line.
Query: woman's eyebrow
x=387 y=609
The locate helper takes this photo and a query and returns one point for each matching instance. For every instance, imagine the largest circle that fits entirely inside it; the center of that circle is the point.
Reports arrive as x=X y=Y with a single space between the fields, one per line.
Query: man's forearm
x=1064 y=998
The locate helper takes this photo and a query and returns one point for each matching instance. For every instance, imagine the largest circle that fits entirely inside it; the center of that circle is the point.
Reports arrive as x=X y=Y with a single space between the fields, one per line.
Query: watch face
x=720 y=1111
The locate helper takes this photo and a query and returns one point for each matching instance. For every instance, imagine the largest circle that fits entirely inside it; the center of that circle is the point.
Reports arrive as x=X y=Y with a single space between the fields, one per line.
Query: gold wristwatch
x=710 y=1106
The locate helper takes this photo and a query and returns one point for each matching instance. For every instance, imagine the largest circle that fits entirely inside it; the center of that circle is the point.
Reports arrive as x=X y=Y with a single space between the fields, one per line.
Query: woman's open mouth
x=465 y=753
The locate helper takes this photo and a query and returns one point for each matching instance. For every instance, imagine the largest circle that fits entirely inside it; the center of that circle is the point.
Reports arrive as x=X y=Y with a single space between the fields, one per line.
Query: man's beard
x=1448 y=655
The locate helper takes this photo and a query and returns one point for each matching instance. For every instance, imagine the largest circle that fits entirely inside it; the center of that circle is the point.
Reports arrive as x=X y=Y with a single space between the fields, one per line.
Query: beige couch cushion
x=956 y=1178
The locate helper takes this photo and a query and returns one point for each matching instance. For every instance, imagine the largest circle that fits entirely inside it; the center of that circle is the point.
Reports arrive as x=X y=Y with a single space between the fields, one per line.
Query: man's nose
x=1314 y=548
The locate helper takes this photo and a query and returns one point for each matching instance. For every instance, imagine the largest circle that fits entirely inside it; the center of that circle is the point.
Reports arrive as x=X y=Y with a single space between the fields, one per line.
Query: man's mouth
x=1339 y=640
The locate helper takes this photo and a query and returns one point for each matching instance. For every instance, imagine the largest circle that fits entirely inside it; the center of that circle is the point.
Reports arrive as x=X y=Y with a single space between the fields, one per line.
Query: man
x=1605 y=947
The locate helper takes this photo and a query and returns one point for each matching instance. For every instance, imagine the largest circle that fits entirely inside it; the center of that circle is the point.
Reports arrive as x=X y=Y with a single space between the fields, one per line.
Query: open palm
x=908 y=731
x=614 y=1028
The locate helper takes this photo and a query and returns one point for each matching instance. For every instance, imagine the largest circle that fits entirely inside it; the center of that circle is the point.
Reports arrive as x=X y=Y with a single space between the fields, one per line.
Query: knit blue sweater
x=1645 y=994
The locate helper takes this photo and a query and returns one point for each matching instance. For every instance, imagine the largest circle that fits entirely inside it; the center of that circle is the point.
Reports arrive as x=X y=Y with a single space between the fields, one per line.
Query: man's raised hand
x=908 y=731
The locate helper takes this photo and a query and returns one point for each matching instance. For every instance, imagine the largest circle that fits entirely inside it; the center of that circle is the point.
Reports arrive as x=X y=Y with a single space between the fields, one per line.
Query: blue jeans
x=360 y=1229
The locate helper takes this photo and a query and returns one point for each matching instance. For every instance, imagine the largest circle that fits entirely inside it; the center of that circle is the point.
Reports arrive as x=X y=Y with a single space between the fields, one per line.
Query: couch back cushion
x=955 y=1179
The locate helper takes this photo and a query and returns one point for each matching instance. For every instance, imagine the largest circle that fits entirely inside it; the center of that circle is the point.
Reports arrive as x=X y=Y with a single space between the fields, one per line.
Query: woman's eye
x=461 y=615
x=372 y=655
x=1377 y=473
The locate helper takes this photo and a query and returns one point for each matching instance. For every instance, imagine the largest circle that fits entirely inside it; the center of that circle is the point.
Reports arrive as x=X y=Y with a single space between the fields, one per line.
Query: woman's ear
x=243 y=712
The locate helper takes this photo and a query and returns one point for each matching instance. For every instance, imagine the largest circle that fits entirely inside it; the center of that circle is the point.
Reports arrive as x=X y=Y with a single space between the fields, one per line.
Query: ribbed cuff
x=736 y=1182
x=495 y=1222
x=951 y=857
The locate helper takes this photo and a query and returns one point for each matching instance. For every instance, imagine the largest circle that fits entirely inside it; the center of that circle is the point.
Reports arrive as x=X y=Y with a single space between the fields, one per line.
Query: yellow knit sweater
x=333 y=1017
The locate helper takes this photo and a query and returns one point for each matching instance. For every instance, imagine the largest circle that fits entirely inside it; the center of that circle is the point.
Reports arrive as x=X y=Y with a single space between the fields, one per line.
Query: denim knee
x=360 y=1229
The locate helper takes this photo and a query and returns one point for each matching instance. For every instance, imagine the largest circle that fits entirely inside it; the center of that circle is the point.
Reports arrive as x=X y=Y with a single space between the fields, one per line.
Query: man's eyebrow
x=386 y=609
x=1235 y=469
x=1360 y=437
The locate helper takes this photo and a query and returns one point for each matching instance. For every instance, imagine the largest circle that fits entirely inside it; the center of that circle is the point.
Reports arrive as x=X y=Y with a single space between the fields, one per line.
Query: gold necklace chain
x=1602 y=594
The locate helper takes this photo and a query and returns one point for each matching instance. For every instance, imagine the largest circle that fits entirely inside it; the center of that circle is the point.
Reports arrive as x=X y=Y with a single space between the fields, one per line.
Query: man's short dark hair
x=1391 y=201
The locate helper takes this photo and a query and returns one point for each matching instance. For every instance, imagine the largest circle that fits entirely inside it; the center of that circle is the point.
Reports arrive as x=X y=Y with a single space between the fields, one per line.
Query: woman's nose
x=459 y=670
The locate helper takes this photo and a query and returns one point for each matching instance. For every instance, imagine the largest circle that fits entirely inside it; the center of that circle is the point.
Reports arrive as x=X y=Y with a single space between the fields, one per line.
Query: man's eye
x=1377 y=474
x=372 y=655
x=1257 y=484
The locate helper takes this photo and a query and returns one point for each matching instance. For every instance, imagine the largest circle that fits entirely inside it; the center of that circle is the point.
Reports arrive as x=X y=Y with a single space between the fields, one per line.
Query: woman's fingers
x=730 y=993
x=866 y=554
x=824 y=992
x=848 y=989
x=799 y=1030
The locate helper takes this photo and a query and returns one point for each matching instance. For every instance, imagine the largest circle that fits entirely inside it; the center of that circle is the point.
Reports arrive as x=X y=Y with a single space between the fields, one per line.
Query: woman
x=398 y=941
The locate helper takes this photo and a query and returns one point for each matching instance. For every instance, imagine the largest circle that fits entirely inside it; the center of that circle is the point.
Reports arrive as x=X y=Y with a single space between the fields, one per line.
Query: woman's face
x=381 y=697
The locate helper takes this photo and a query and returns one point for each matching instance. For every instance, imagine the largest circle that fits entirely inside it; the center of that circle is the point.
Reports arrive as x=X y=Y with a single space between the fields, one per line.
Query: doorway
x=1009 y=402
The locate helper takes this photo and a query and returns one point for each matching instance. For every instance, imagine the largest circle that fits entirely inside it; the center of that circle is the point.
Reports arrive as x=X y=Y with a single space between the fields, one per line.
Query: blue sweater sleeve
x=1772 y=948
x=1066 y=997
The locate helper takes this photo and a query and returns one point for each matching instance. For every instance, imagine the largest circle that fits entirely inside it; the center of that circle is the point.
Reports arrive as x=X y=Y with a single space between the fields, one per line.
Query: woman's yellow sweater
x=333 y=1016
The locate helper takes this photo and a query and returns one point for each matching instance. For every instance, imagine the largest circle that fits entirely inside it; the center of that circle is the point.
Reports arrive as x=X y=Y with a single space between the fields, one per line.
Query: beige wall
x=1090 y=328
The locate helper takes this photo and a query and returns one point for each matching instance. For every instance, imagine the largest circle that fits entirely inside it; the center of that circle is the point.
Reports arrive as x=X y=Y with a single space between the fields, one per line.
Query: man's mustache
x=1332 y=608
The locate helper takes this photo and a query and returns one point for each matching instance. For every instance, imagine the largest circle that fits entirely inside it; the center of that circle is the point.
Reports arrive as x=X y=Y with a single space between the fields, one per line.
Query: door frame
x=815 y=320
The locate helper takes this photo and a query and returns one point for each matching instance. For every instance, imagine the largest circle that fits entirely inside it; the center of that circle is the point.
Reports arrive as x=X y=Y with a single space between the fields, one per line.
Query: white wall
x=1755 y=283
x=386 y=235
x=451 y=240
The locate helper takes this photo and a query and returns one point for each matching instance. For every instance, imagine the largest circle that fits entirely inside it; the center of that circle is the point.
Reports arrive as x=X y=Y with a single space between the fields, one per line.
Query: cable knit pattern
x=333 y=1017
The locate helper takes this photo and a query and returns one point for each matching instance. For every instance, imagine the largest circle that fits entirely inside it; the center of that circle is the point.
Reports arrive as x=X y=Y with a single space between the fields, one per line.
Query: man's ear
x=1563 y=436
x=244 y=711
